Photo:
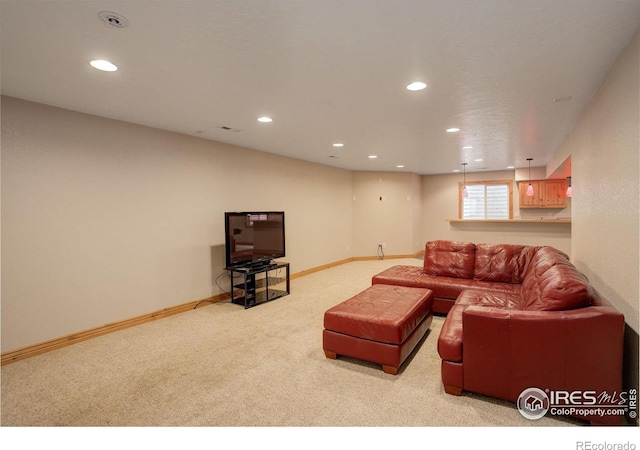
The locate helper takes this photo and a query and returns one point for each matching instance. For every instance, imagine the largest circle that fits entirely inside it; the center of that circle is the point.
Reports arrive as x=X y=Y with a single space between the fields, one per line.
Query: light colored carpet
x=222 y=365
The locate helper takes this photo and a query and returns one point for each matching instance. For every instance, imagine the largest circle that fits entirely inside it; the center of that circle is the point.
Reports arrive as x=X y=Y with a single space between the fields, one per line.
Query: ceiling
x=512 y=75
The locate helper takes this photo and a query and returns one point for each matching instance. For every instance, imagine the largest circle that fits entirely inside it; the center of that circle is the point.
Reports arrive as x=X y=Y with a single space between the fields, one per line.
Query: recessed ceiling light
x=265 y=119
x=511 y=167
x=456 y=170
x=467 y=147
x=478 y=160
x=416 y=86
x=400 y=166
x=338 y=144
x=372 y=156
x=104 y=65
x=453 y=130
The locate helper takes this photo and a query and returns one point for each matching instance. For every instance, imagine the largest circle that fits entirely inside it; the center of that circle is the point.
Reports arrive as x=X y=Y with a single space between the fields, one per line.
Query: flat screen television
x=253 y=237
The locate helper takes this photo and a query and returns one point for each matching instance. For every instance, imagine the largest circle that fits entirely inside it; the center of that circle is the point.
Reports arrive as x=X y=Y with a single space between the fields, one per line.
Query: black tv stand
x=253 y=284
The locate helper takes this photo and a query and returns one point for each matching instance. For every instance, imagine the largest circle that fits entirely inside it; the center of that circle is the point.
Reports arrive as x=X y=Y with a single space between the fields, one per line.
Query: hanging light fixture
x=530 y=187
x=569 y=189
x=465 y=194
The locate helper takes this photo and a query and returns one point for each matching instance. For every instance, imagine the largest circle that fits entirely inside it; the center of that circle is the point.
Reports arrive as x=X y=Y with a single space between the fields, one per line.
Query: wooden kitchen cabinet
x=530 y=202
x=547 y=194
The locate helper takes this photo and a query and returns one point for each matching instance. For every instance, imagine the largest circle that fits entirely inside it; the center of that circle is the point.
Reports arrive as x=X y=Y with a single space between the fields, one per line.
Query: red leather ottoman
x=382 y=324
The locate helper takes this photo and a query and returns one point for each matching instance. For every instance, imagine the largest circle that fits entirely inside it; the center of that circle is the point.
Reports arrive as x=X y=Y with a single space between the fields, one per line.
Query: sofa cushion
x=450 y=338
x=400 y=275
x=447 y=287
x=560 y=287
x=503 y=263
x=489 y=299
x=544 y=258
x=442 y=287
x=449 y=259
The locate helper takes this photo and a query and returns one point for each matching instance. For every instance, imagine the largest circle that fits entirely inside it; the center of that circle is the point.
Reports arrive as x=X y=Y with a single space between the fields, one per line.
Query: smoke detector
x=113 y=19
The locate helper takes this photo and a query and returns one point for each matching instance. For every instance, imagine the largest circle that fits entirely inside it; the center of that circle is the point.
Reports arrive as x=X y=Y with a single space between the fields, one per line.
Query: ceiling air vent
x=113 y=19
x=562 y=99
x=226 y=128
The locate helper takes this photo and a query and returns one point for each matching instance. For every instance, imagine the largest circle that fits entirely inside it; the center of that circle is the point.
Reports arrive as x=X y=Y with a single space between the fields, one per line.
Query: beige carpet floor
x=221 y=365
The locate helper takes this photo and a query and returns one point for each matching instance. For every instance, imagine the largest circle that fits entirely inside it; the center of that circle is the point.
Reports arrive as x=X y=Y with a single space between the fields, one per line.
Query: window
x=486 y=200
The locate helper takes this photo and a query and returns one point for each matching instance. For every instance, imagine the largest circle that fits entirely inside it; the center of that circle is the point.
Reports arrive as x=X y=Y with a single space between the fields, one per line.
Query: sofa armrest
x=506 y=351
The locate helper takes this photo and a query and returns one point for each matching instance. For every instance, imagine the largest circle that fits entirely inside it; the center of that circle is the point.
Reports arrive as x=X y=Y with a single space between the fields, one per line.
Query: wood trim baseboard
x=302 y=273
x=73 y=338
x=372 y=258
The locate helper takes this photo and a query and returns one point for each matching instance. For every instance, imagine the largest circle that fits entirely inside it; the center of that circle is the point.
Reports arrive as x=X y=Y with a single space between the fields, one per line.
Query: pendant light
x=569 y=189
x=530 y=187
x=465 y=194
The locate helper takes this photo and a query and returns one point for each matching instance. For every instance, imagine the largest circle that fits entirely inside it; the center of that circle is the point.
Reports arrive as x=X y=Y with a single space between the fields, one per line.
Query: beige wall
x=418 y=225
x=440 y=202
x=386 y=209
x=604 y=147
x=104 y=220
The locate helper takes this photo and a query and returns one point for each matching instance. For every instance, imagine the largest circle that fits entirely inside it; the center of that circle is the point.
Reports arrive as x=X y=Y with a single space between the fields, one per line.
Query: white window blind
x=486 y=201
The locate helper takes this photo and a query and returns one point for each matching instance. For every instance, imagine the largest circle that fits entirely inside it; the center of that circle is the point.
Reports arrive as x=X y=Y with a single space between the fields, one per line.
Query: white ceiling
x=329 y=71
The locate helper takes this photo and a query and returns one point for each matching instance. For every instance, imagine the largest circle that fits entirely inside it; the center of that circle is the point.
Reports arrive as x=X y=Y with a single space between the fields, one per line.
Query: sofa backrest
x=544 y=258
x=552 y=283
x=549 y=281
x=504 y=263
x=449 y=259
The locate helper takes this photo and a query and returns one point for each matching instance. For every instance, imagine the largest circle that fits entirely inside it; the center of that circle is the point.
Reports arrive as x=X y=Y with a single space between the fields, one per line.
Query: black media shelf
x=252 y=286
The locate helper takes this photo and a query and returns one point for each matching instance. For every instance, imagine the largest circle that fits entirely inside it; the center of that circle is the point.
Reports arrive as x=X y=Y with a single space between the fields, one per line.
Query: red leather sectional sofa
x=518 y=317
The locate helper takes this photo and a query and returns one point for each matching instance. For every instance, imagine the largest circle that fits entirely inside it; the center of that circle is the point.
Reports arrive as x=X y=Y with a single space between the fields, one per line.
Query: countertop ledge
x=509 y=221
